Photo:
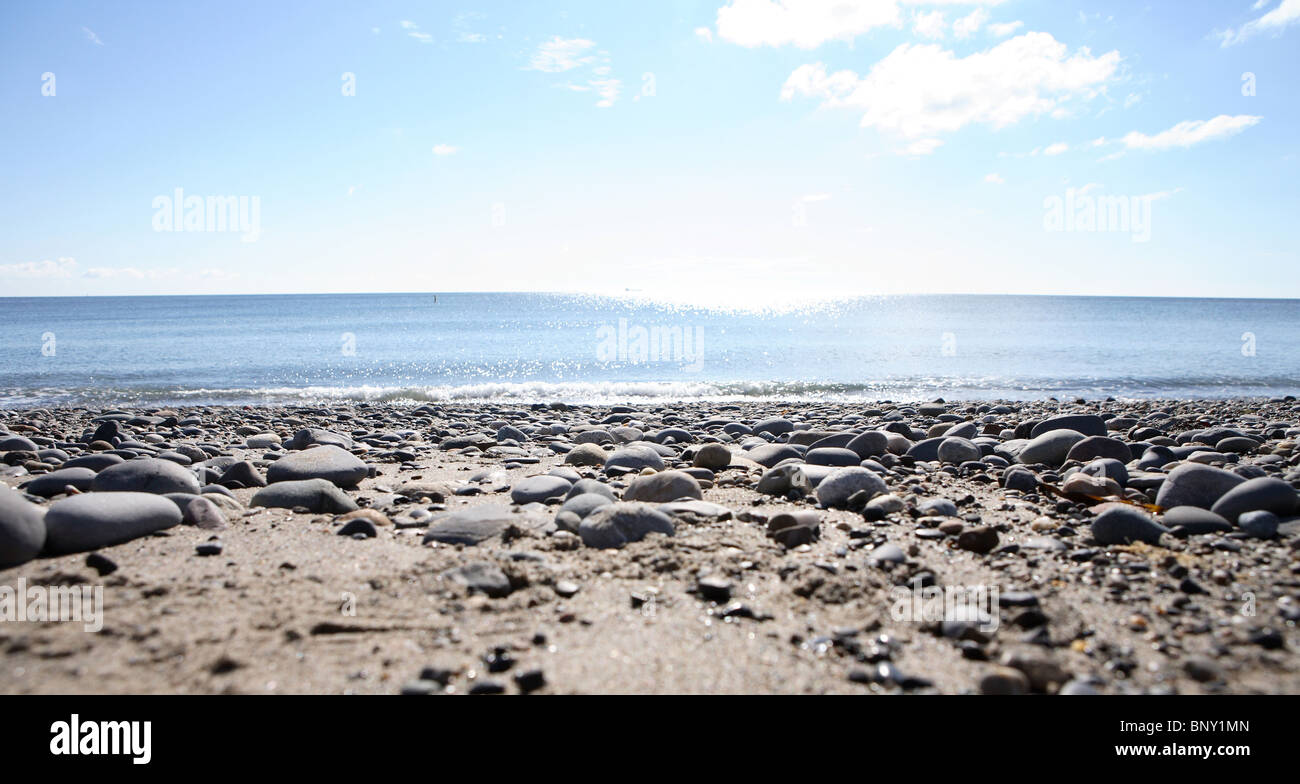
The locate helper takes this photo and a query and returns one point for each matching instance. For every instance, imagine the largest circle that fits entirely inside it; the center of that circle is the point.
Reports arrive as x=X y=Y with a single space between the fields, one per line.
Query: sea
x=101 y=352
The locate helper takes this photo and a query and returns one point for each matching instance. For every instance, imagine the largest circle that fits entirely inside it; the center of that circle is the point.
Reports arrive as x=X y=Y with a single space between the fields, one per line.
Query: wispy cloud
x=1004 y=29
x=64 y=267
x=90 y=36
x=1190 y=132
x=922 y=147
x=562 y=54
x=567 y=54
x=1275 y=21
x=442 y=150
x=413 y=30
x=1056 y=149
x=994 y=178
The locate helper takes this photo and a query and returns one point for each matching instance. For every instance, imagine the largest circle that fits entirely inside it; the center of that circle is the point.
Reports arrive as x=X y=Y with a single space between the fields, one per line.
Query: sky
x=729 y=152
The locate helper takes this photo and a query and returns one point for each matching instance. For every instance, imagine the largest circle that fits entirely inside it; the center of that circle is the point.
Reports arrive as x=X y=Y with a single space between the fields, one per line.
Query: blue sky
x=727 y=151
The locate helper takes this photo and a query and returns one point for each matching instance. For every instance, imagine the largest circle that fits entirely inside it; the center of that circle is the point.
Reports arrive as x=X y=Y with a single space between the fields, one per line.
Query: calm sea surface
x=107 y=351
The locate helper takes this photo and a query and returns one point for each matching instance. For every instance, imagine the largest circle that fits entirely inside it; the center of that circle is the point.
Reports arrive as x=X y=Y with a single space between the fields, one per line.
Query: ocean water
x=111 y=351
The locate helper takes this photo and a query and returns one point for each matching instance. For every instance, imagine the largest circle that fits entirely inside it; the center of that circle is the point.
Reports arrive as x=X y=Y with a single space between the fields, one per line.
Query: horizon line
x=634 y=295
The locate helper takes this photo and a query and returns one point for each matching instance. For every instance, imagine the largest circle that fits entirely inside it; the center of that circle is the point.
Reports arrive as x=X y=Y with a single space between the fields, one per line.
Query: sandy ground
x=290 y=607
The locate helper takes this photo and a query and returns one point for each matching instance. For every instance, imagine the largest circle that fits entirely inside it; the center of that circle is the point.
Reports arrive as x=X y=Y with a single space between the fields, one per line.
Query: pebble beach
x=1126 y=546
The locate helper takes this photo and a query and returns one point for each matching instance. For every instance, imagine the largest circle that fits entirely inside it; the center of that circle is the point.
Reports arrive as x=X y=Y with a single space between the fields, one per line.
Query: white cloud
x=1190 y=132
x=471 y=38
x=608 y=90
x=928 y=24
x=970 y=24
x=412 y=29
x=445 y=149
x=1004 y=29
x=994 y=178
x=134 y=273
x=565 y=54
x=920 y=90
x=704 y=34
x=922 y=147
x=1275 y=21
x=562 y=54
x=1132 y=99
x=1056 y=149
x=90 y=36
x=64 y=267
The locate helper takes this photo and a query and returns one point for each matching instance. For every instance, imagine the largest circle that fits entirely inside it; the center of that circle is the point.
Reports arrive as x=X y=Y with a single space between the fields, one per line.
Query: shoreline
x=776 y=578
x=406 y=402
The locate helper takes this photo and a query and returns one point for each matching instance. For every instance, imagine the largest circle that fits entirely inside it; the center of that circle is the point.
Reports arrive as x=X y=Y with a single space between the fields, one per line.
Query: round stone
x=22 y=528
x=635 y=458
x=145 y=475
x=832 y=456
x=588 y=454
x=714 y=457
x=618 y=524
x=539 y=489
x=663 y=487
x=55 y=482
x=327 y=462
x=1124 y=524
x=1192 y=484
x=957 y=450
x=92 y=520
x=1264 y=493
x=1049 y=448
x=836 y=489
x=316 y=495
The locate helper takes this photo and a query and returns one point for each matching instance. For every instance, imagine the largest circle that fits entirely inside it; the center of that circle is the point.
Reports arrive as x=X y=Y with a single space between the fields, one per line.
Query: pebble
x=1049 y=448
x=621 y=523
x=1191 y=484
x=663 y=487
x=1261 y=494
x=835 y=490
x=316 y=495
x=539 y=489
x=1122 y=524
x=478 y=524
x=586 y=455
x=634 y=458
x=1260 y=524
x=145 y=475
x=94 y=520
x=714 y=457
x=22 y=528
x=327 y=462
x=57 y=482
x=480 y=577
x=958 y=450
